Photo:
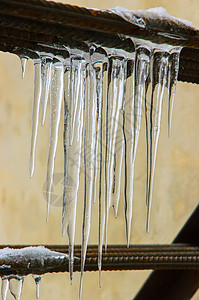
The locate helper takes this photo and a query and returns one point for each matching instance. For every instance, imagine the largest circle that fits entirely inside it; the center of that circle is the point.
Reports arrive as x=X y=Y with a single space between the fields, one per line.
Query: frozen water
x=172 y=80
x=37 y=279
x=55 y=111
x=46 y=73
x=23 y=66
x=105 y=91
x=72 y=156
x=35 y=112
x=15 y=286
x=4 y=287
x=159 y=77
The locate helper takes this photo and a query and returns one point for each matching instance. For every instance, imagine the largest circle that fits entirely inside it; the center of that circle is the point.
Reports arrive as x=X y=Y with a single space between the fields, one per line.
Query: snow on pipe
x=103 y=91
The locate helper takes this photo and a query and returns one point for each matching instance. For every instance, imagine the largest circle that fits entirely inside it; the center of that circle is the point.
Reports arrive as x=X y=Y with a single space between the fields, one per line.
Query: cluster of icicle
x=14 y=284
x=103 y=92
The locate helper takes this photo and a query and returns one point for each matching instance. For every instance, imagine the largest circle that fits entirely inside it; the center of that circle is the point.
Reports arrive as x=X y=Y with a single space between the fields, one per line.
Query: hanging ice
x=114 y=104
x=35 y=112
x=15 y=286
x=72 y=154
x=103 y=92
x=23 y=66
x=37 y=279
x=172 y=80
x=89 y=147
x=99 y=62
x=4 y=287
x=55 y=110
x=46 y=72
x=158 y=81
x=141 y=70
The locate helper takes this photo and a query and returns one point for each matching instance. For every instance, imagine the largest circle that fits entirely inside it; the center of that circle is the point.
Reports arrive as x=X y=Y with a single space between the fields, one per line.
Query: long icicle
x=129 y=140
x=55 y=111
x=72 y=162
x=100 y=67
x=89 y=146
x=35 y=112
x=115 y=90
x=160 y=66
x=118 y=144
x=141 y=71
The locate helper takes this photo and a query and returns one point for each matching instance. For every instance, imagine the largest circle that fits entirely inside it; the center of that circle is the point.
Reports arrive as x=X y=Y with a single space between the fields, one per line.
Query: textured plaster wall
x=23 y=207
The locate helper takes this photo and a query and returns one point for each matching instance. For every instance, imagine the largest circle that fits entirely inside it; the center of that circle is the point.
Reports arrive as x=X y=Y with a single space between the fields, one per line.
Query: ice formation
x=103 y=92
x=29 y=256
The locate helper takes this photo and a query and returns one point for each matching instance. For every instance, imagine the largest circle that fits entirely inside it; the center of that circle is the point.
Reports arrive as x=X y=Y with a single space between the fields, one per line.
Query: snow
x=156 y=13
x=30 y=253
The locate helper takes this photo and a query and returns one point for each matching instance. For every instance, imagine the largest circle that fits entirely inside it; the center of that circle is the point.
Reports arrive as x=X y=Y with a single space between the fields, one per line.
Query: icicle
x=147 y=109
x=35 y=112
x=23 y=65
x=4 y=287
x=72 y=159
x=100 y=61
x=117 y=153
x=173 y=76
x=129 y=143
x=89 y=146
x=97 y=58
x=141 y=71
x=159 y=76
x=37 y=279
x=15 y=286
x=55 y=110
x=46 y=72
x=115 y=96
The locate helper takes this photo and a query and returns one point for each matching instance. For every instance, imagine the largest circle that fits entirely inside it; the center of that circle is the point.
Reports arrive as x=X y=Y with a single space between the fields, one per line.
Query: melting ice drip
x=103 y=91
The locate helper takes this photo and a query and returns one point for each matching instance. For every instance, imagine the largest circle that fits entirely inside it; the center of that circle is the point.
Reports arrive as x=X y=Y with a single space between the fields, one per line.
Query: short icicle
x=89 y=146
x=55 y=111
x=35 y=112
x=72 y=159
x=174 y=58
x=37 y=279
x=4 y=287
x=159 y=78
x=46 y=72
x=15 y=286
x=23 y=60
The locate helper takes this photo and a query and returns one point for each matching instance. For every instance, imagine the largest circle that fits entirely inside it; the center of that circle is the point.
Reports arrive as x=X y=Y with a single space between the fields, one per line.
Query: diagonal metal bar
x=175 y=284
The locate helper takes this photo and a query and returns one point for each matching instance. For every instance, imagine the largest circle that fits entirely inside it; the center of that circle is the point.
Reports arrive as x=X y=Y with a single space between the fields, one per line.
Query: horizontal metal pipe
x=116 y=257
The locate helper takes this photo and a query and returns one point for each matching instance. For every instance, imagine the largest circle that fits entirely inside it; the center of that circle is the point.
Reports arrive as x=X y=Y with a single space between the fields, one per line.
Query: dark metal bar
x=175 y=284
x=116 y=257
x=26 y=24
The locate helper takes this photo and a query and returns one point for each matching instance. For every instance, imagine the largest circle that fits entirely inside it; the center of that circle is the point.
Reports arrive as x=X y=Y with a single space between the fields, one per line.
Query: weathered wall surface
x=23 y=207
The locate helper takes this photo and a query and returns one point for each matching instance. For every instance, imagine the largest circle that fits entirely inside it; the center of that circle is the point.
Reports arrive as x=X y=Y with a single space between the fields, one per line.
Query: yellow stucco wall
x=23 y=208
